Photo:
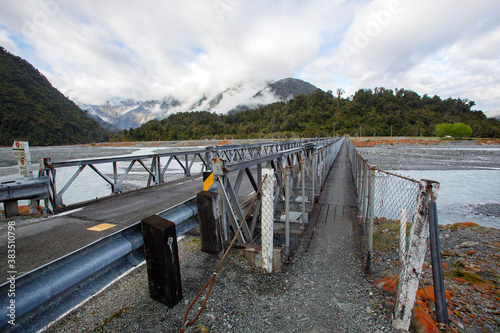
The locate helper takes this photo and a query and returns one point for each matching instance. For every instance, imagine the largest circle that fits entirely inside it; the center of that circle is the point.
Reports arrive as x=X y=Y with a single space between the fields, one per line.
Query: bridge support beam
x=162 y=259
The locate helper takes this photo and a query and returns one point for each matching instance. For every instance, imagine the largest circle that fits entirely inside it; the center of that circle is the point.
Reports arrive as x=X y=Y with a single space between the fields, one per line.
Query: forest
x=31 y=109
x=377 y=112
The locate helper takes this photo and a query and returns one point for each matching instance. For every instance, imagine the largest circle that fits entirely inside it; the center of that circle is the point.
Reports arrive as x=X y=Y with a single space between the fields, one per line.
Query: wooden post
x=162 y=259
x=210 y=223
x=11 y=208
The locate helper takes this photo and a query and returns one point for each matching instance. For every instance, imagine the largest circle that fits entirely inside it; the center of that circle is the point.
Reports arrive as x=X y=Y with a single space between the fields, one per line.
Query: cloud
x=98 y=50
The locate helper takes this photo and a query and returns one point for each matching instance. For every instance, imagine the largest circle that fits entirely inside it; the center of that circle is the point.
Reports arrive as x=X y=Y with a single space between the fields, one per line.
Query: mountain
x=108 y=126
x=131 y=114
x=32 y=110
x=377 y=112
x=288 y=88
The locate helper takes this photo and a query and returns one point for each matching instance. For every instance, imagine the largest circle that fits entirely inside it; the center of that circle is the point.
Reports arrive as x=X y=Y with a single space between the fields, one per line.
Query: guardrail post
x=162 y=259
x=411 y=272
x=210 y=223
x=11 y=208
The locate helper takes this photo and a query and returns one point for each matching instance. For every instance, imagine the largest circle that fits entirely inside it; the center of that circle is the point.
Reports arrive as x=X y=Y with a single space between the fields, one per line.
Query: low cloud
x=95 y=51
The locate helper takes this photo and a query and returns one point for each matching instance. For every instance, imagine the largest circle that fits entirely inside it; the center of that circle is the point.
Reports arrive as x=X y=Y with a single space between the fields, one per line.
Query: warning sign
x=22 y=153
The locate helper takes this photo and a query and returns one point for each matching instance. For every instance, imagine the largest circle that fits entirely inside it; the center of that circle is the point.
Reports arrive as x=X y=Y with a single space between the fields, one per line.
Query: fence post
x=371 y=203
x=410 y=274
x=303 y=180
x=402 y=237
x=364 y=198
x=361 y=171
x=314 y=173
x=287 y=212
x=267 y=219
x=437 y=272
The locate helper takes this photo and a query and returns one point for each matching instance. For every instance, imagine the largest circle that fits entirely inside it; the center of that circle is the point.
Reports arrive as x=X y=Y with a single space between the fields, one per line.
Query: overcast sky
x=97 y=50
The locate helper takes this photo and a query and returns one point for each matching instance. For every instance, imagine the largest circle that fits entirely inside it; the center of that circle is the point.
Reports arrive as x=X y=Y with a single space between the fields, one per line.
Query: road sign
x=22 y=153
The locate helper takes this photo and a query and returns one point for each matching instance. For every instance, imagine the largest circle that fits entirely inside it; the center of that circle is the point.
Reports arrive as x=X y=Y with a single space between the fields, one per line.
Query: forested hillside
x=311 y=115
x=32 y=110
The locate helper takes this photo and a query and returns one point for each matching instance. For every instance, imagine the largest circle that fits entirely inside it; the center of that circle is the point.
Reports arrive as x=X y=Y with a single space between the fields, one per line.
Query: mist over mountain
x=126 y=114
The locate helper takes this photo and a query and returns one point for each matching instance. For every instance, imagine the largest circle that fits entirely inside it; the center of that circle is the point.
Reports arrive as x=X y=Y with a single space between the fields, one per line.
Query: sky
x=94 y=51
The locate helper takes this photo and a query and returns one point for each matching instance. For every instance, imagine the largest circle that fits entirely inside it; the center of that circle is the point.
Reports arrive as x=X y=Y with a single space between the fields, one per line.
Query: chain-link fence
x=387 y=204
x=394 y=227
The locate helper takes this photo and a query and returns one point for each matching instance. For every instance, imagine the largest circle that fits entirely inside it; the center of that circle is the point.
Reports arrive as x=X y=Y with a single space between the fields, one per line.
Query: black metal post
x=437 y=273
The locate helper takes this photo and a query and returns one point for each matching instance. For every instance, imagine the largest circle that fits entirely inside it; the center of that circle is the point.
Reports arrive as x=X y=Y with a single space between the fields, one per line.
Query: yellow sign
x=207 y=183
x=102 y=226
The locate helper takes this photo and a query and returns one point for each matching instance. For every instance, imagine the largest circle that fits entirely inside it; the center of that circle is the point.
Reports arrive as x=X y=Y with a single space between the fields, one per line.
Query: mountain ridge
x=31 y=109
x=131 y=114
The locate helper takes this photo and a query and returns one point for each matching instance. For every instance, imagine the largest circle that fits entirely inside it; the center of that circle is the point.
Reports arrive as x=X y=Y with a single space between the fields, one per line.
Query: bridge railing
x=151 y=169
x=284 y=188
x=393 y=220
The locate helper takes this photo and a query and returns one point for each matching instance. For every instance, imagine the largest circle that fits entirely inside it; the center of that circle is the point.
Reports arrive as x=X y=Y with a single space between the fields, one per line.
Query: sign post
x=22 y=153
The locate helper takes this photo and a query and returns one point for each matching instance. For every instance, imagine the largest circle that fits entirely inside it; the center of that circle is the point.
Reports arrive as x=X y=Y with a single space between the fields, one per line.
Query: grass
x=117 y=314
x=464 y=274
x=386 y=235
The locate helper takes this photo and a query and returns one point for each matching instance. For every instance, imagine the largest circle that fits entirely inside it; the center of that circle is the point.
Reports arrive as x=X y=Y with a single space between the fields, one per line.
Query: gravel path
x=323 y=289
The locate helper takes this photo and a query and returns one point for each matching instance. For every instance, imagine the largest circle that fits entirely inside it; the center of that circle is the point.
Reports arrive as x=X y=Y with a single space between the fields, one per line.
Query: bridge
x=98 y=241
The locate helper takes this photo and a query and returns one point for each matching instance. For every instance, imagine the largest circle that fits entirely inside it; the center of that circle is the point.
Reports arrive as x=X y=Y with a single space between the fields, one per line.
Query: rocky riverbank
x=471 y=269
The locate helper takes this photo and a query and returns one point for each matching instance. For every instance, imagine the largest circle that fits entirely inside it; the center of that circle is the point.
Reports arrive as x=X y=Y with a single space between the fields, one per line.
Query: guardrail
x=33 y=189
x=44 y=294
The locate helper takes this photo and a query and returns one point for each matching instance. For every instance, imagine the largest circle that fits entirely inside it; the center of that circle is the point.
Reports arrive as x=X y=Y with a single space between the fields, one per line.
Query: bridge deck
x=45 y=240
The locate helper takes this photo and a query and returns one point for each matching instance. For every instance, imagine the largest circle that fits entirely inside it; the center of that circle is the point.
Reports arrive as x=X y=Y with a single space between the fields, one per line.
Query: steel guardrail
x=37 y=188
x=44 y=294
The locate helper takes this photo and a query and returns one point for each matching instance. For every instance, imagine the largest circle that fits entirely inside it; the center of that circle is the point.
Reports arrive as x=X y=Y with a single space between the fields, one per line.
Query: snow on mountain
x=128 y=113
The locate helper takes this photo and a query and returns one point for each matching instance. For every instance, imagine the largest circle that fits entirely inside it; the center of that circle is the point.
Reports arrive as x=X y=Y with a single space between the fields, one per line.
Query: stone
x=469 y=244
x=421 y=322
x=387 y=284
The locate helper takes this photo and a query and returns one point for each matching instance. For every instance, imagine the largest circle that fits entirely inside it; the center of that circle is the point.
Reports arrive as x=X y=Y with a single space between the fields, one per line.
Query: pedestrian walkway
x=337 y=296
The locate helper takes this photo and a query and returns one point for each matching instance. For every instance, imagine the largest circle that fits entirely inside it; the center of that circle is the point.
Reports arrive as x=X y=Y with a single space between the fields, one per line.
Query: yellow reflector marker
x=207 y=183
x=102 y=226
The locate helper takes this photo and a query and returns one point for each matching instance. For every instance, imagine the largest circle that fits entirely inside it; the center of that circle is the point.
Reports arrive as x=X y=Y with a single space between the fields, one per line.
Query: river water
x=469 y=176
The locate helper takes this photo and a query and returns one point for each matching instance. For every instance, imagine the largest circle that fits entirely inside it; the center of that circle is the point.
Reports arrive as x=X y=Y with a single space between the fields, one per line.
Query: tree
x=456 y=130
x=340 y=92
